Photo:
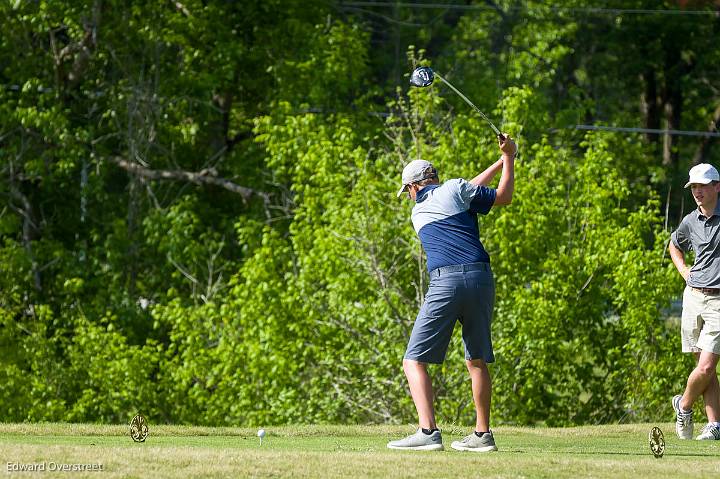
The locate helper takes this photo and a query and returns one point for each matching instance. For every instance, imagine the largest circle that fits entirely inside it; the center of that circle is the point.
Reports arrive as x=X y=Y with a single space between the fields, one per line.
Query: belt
x=459 y=268
x=708 y=291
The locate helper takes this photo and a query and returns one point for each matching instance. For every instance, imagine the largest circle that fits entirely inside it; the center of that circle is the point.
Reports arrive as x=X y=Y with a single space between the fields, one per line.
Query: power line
x=387 y=114
x=591 y=10
x=385 y=17
x=648 y=130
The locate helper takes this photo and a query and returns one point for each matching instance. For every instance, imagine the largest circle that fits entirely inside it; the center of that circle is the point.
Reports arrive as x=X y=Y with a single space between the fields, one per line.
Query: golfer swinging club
x=699 y=231
x=461 y=289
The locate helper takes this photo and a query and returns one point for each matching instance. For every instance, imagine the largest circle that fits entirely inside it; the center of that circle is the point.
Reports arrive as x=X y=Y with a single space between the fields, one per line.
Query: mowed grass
x=612 y=451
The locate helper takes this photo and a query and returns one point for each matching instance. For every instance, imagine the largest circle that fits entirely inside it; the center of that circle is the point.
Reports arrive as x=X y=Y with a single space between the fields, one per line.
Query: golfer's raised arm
x=504 y=192
x=484 y=178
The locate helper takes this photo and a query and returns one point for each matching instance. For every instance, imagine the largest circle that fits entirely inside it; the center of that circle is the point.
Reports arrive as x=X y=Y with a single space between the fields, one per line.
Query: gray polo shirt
x=702 y=235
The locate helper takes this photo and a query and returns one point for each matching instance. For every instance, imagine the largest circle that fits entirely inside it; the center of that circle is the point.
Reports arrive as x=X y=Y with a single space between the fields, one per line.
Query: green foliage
x=581 y=281
x=134 y=280
x=113 y=379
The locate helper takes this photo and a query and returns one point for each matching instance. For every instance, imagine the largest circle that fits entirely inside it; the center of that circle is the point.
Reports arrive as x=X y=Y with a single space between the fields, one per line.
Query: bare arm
x=506 y=187
x=484 y=178
x=678 y=258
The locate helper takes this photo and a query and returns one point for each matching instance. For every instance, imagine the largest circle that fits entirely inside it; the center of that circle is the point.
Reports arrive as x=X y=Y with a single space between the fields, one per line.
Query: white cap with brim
x=416 y=170
x=702 y=174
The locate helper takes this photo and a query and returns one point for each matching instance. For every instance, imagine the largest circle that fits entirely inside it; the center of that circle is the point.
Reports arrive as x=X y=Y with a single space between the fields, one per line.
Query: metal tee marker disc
x=657 y=442
x=138 y=429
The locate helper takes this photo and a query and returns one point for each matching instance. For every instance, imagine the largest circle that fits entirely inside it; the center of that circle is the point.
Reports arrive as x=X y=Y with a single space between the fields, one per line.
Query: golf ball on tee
x=261 y=433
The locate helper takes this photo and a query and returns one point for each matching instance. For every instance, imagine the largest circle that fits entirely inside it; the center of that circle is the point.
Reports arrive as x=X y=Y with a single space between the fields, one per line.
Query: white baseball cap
x=702 y=174
x=416 y=170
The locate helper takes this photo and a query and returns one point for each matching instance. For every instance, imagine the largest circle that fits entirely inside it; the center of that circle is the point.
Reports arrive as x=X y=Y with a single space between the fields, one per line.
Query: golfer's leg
x=700 y=379
x=481 y=391
x=711 y=396
x=712 y=400
x=421 y=391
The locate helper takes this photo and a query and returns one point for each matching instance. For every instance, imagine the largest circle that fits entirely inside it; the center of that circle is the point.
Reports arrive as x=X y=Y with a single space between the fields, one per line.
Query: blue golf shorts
x=462 y=293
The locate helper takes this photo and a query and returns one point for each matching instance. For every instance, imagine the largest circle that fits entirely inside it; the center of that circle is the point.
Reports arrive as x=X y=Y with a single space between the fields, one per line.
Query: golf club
x=424 y=76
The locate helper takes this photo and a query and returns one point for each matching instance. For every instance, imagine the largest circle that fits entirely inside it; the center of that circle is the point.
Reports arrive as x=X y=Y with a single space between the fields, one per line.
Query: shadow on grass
x=613 y=453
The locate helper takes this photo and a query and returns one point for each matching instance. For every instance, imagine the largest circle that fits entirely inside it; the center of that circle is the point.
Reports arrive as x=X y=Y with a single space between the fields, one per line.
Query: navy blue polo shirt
x=445 y=219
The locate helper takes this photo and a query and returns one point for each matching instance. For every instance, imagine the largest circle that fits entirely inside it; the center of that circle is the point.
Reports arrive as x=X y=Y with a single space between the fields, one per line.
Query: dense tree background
x=198 y=217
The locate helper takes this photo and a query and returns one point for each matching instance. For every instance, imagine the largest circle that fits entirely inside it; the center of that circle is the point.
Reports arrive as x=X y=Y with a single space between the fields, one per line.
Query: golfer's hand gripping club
x=507 y=145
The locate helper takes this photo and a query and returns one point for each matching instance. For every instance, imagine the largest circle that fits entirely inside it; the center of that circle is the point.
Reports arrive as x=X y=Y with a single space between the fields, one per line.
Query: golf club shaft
x=497 y=132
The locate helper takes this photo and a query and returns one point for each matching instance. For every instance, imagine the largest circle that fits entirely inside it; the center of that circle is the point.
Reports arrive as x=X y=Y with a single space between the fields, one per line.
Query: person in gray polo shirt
x=699 y=232
x=461 y=289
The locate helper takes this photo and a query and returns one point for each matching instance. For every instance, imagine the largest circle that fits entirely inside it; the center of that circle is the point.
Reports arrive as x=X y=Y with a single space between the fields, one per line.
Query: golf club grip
x=501 y=137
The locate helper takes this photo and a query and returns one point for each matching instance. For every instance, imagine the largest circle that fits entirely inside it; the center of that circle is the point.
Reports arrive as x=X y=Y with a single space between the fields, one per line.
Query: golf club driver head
x=422 y=77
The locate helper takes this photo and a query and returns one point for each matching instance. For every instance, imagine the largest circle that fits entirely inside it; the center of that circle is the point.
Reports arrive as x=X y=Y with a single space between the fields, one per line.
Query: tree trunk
x=703 y=151
x=649 y=105
x=30 y=232
x=673 y=113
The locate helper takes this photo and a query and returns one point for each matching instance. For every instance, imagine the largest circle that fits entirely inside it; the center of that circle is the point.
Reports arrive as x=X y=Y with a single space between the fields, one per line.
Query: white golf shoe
x=475 y=443
x=683 y=420
x=711 y=432
x=419 y=442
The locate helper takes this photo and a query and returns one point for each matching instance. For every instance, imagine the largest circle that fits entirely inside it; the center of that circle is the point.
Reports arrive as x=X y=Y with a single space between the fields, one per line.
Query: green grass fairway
x=350 y=451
